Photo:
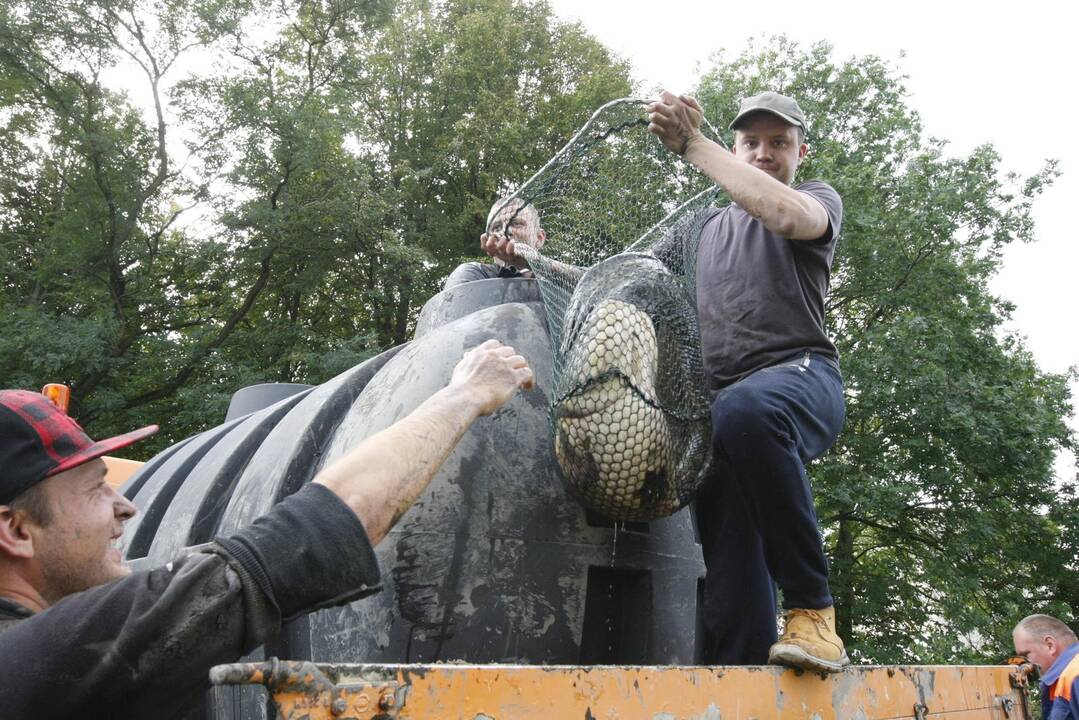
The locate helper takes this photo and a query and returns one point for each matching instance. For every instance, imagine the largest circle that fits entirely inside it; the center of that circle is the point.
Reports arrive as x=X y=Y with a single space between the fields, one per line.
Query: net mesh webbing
x=622 y=216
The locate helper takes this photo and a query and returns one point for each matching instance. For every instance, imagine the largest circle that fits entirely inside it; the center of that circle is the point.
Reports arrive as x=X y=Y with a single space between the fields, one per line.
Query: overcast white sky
x=985 y=72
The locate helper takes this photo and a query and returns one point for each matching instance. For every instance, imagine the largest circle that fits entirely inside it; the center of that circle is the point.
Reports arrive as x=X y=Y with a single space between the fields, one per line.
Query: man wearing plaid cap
x=82 y=636
x=55 y=559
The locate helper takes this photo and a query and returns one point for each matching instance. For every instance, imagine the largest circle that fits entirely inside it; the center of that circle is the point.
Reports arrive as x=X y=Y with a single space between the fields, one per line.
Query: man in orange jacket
x=1051 y=645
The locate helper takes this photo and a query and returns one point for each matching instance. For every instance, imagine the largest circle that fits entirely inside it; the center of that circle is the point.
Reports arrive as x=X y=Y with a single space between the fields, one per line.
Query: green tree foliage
x=305 y=176
x=86 y=210
x=457 y=105
x=938 y=503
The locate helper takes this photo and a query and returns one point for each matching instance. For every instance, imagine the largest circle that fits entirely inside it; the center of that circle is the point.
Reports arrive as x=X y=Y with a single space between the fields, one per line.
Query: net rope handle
x=568 y=147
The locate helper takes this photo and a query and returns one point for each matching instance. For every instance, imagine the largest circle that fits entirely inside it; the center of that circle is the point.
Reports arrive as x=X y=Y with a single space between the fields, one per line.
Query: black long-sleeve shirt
x=142 y=646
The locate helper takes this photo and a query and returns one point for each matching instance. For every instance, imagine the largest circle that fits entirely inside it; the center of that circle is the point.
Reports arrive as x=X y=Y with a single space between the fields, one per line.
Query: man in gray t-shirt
x=763 y=270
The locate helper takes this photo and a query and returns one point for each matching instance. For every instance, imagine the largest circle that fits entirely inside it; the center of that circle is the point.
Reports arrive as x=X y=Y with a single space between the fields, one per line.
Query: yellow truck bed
x=517 y=692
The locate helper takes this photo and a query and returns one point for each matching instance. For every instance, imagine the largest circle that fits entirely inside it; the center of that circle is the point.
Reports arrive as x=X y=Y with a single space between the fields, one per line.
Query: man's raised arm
x=795 y=215
x=142 y=645
x=382 y=477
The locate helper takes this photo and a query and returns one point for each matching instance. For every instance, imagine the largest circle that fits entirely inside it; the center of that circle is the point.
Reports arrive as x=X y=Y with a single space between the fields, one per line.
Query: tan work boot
x=810 y=642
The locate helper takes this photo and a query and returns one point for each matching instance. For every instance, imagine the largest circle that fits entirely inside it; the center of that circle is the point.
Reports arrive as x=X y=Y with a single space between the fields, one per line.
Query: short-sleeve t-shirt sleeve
x=761 y=296
x=829 y=199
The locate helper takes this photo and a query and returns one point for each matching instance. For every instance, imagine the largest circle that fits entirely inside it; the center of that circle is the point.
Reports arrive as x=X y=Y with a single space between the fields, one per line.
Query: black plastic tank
x=493 y=563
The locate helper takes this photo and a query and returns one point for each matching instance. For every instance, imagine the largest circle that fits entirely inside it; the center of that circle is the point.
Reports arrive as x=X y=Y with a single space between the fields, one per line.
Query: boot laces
x=812 y=615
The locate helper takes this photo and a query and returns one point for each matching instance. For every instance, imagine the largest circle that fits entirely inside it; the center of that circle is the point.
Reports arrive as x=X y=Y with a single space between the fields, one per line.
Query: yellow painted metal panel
x=509 y=692
x=118 y=470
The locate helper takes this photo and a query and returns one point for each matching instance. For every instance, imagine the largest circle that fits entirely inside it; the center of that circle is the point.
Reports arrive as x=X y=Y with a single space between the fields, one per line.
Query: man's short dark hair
x=1038 y=626
x=518 y=206
x=34 y=503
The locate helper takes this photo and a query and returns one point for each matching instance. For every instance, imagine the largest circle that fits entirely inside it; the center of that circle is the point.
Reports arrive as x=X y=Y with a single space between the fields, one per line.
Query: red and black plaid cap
x=37 y=440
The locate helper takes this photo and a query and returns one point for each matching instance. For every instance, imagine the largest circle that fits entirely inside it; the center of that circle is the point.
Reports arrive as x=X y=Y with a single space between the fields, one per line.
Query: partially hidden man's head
x=59 y=519
x=769 y=134
x=518 y=220
x=1041 y=639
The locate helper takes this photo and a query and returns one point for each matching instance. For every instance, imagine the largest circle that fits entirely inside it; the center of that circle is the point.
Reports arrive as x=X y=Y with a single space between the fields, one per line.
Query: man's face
x=768 y=143
x=1040 y=652
x=523 y=225
x=76 y=549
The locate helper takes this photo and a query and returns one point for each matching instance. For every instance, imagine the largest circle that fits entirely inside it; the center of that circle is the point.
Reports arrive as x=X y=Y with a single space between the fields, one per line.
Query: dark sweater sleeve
x=142 y=646
x=321 y=554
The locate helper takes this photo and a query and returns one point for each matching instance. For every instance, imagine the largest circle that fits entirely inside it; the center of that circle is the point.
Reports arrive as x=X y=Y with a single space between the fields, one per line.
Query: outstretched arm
x=521 y=255
x=383 y=476
x=142 y=645
x=502 y=248
x=782 y=209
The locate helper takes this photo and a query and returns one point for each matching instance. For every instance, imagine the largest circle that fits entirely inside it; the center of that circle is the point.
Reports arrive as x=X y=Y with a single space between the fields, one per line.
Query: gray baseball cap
x=783 y=107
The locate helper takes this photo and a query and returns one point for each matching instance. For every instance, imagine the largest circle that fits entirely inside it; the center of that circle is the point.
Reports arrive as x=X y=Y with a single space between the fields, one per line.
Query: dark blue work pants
x=757 y=522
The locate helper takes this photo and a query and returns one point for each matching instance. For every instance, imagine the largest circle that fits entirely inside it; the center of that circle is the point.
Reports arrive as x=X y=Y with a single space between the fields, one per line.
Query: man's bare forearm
x=383 y=476
x=782 y=209
x=548 y=267
x=569 y=273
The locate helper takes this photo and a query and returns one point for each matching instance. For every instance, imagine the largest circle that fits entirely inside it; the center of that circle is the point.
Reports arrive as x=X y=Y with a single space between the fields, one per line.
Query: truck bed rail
x=518 y=692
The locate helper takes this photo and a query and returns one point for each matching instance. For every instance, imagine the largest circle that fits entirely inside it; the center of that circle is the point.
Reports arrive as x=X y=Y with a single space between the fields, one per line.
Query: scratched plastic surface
x=494 y=563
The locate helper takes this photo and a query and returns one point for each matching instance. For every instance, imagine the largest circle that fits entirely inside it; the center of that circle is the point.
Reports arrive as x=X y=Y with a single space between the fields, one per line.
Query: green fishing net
x=629 y=415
